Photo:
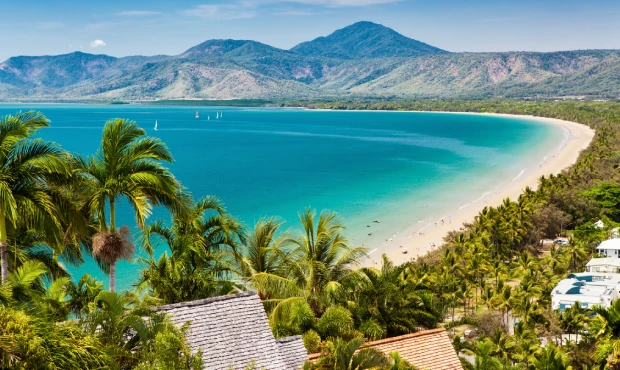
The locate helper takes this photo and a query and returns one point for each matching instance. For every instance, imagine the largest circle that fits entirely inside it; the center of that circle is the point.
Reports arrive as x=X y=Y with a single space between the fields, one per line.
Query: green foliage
x=341 y=355
x=170 y=352
x=31 y=342
x=199 y=245
x=607 y=195
x=312 y=341
x=335 y=322
x=127 y=164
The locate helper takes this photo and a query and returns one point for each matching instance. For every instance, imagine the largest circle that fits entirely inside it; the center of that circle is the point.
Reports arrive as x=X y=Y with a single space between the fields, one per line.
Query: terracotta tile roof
x=426 y=350
x=233 y=331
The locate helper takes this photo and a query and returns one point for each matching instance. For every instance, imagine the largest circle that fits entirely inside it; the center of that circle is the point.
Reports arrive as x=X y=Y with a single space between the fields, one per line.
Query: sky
x=150 y=27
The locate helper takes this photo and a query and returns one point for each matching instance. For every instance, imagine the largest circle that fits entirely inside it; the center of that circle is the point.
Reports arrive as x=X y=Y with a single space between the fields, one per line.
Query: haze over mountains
x=364 y=59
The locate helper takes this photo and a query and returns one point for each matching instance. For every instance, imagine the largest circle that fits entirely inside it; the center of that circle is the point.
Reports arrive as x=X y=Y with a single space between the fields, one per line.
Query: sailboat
x=208 y=118
x=217 y=115
x=155 y=126
x=221 y=114
x=197 y=115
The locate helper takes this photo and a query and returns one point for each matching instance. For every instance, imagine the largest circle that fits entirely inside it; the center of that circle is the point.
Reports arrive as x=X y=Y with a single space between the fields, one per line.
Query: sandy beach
x=420 y=238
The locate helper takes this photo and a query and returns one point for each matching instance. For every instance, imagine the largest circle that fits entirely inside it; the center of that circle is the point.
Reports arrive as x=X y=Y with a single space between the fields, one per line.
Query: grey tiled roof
x=293 y=351
x=233 y=330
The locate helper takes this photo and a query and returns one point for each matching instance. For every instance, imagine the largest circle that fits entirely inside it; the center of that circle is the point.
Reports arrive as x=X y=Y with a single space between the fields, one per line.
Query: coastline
x=578 y=138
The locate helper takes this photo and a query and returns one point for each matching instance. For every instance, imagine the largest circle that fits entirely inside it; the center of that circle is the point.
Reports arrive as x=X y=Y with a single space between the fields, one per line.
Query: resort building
x=607 y=265
x=588 y=288
x=428 y=350
x=233 y=332
x=610 y=248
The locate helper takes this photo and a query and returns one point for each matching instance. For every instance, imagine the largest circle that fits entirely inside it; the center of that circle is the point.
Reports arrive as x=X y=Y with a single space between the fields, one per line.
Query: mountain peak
x=365 y=40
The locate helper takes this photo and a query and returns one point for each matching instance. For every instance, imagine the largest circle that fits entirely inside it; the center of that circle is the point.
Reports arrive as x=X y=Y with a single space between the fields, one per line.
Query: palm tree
x=265 y=249
x=552 y=358
x=316 y=268
x=386 y=298
x=484 y=360
x=198 y=244
x=127 y=164
x=341 y=355
x=27 y=166
x=575 y=253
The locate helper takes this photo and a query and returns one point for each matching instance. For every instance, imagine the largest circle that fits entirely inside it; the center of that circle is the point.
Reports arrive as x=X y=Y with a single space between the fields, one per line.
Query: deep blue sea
x=390 y=166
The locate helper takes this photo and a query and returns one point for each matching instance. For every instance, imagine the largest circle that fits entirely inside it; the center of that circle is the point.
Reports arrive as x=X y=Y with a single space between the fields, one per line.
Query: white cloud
x=221 y=11
x=97 y=43
x=137 y=13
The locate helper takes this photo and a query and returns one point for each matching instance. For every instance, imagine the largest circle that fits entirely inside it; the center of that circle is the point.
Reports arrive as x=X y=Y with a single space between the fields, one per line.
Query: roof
x=605 y=261
x=426 y=350
x=609 y=244
x=233 y=331
x=293 y=351
x=581 y=286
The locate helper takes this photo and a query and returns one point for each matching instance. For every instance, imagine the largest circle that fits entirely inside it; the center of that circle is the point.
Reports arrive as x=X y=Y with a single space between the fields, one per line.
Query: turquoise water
x=390 y=166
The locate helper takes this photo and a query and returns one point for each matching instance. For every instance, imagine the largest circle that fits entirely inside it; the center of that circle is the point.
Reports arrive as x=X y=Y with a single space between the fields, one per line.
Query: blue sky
x=122 y=28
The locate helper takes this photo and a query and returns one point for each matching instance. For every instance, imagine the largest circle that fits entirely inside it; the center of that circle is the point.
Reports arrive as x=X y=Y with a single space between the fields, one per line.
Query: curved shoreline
x=578 y=138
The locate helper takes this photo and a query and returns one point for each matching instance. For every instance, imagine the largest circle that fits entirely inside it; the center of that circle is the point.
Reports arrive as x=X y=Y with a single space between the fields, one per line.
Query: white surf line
x=518 y=176
x=483 y=195
x=374 y=250
x=464 y=206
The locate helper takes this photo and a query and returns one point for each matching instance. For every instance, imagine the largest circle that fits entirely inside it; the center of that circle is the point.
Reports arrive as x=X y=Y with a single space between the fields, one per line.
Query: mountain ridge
x=381 y=63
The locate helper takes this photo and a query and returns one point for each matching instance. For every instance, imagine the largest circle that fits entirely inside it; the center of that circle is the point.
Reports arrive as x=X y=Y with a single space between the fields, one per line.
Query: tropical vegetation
x=495 y=276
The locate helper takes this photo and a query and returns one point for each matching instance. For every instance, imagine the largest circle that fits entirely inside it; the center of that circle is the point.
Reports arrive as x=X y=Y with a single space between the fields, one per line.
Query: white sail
x=155 y=125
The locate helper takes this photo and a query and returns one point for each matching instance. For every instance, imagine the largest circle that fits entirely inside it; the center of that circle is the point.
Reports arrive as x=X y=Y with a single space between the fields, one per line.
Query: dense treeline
x=496 y=275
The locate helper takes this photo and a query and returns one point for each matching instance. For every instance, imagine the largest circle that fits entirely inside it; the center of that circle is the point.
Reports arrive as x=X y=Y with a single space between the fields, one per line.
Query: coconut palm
x=386 y=298
x=316 y=268
x=127 y=165
x=265 y=248
x=27 y=166
x=341 y=355
x=552 y=358
x=199 y=245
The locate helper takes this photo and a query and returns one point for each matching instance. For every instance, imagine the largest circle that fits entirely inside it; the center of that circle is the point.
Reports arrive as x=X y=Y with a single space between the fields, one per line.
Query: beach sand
x=577 y=138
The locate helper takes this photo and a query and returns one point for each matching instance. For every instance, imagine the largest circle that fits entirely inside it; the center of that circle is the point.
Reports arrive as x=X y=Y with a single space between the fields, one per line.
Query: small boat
x=197 y=115
x=217 y=115
x=208 y=118
x=221 y=114
x=155 y=126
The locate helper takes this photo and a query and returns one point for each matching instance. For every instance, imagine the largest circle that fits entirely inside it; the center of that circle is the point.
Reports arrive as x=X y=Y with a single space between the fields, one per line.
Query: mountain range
x=364 y=59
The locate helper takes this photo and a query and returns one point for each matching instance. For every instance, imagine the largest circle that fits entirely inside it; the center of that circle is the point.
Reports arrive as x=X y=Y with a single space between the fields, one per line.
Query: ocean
x=393 y=167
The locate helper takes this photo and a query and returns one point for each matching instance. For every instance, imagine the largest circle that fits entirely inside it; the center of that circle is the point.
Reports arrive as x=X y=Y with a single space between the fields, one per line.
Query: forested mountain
x=364 y=59
x=365 y=40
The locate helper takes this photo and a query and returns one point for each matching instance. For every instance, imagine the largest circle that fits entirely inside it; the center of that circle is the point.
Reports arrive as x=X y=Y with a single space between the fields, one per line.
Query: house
x=426 y=350
x=610 y=248
x=233 y=331
x=608 y=265
x=588 y=288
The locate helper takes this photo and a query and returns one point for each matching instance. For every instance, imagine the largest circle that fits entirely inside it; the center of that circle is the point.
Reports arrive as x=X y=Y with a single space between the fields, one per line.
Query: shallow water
x=393 y=167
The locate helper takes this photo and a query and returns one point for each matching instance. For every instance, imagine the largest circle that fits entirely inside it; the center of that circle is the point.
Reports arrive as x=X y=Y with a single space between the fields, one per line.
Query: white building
x=589 y=289
x=607 y=265
x=610 y=248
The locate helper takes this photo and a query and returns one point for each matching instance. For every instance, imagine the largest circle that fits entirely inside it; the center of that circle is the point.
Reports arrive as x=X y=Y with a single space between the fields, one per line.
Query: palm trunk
x=113 y=277
x=112 y=229
x=5 y=262
x=3 y=248
x=112 y=216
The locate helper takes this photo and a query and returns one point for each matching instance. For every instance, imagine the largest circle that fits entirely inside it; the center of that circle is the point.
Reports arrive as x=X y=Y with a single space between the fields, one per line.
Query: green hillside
x=362 y=60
